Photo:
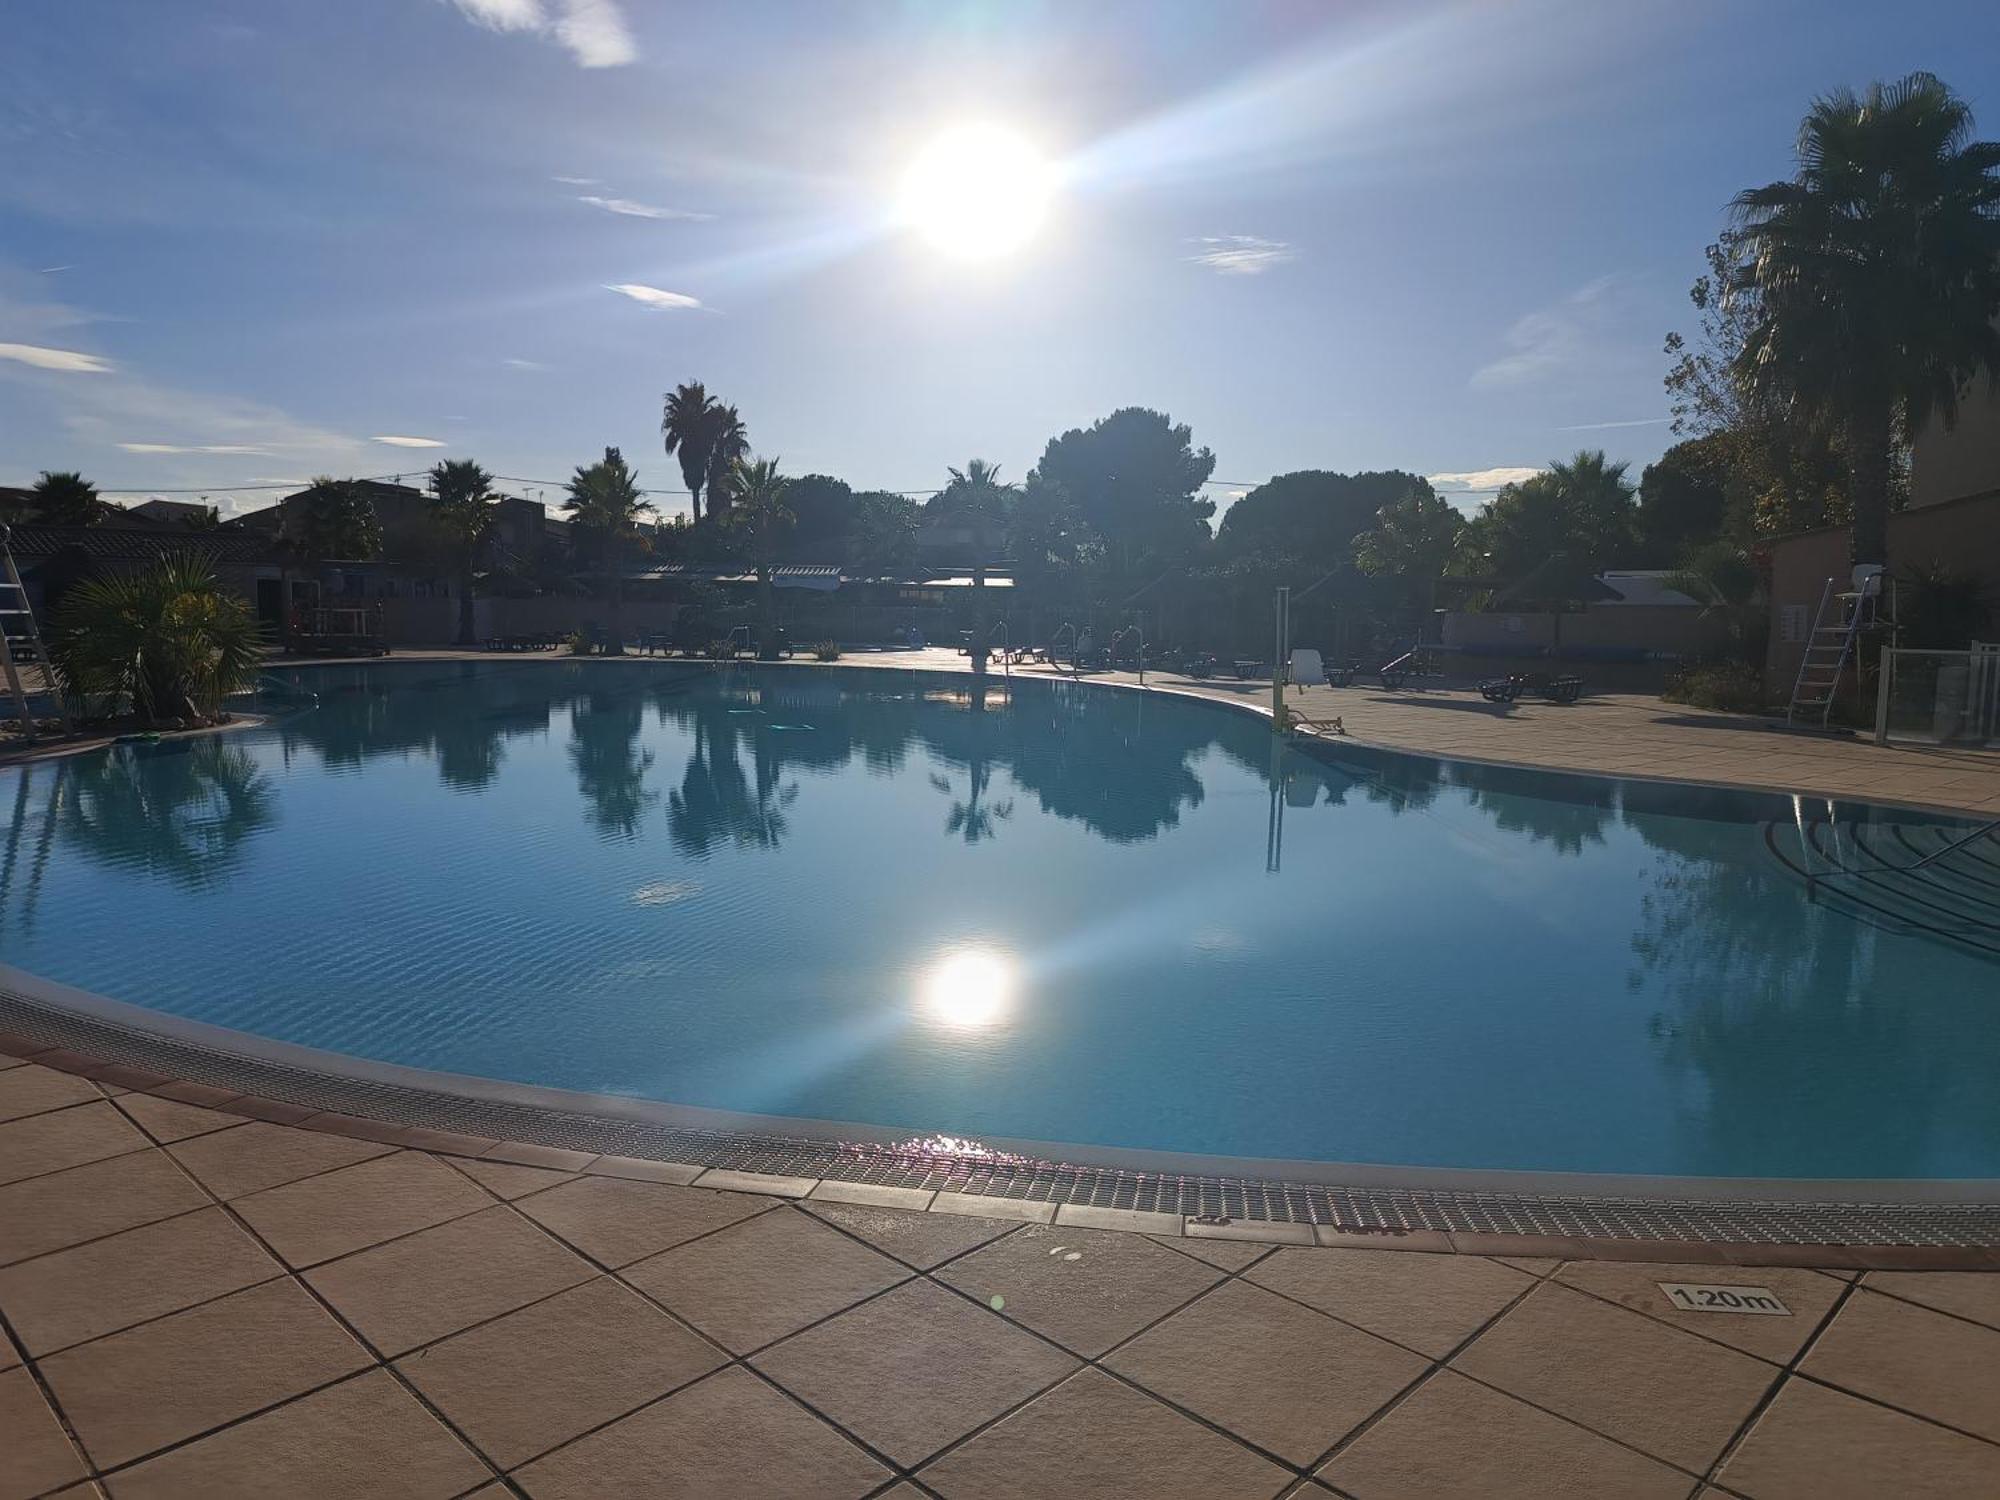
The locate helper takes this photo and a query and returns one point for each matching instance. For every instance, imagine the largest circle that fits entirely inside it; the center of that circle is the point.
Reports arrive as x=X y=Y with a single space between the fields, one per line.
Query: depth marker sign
x=1693 y=1296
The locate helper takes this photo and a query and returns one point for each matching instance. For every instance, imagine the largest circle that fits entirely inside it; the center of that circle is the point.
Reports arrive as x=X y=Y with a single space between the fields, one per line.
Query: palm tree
x=760 y=516
x=1413 y=542
x=462 y=504
x=688 y=426
x=728 y=446
x=1876 y=271
x=65 y=498
x=978 y=499
x=170 y=641
x=605 y=502
x=1723 y=578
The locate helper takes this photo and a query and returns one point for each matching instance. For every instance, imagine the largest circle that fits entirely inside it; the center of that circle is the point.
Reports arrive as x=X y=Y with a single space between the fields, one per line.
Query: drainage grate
x=1363 y=1209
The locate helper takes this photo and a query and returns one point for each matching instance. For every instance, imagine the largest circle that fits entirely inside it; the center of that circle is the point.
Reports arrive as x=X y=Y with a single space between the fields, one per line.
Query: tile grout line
x=352 y=1332
x=1785 y=1375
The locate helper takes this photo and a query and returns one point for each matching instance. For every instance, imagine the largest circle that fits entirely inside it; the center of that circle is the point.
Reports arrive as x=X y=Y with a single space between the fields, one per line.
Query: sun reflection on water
x=969 y=989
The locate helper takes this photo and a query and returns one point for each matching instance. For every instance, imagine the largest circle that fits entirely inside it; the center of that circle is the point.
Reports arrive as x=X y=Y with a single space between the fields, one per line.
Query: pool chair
x=1298 y=723
x=1307 y=669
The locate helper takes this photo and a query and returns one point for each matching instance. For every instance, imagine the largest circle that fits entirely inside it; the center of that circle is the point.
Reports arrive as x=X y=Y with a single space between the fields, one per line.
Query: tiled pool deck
x=202 y=1304
x=201 y=1297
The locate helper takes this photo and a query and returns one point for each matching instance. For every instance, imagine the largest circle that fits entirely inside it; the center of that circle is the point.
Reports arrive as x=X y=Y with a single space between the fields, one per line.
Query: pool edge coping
x=129 y=1046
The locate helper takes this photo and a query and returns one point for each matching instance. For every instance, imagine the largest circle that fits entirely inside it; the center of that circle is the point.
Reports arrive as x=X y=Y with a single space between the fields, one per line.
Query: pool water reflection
x=1048 y=911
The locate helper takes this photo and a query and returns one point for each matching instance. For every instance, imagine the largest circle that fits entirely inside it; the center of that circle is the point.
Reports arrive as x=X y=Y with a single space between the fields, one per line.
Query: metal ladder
x=1830 y=646
x=15 y=594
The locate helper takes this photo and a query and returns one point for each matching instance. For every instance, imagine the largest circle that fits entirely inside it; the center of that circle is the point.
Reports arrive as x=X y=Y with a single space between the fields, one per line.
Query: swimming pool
x=1052 y=911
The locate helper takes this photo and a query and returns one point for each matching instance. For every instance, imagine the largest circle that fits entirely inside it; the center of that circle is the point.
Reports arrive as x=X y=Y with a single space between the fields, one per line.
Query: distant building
x=1962 y=463
x=172 y=512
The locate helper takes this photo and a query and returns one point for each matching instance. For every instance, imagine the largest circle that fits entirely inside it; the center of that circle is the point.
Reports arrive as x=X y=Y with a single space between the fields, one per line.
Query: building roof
x=1645 y=586
x=821 y=576
x=137 y=544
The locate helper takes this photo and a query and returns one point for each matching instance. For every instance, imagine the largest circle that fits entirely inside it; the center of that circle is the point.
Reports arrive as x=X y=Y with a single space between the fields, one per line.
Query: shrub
x=578 y=643
x=1732 y=685
x=825 y=651
x=169 y=641
x=721 y=650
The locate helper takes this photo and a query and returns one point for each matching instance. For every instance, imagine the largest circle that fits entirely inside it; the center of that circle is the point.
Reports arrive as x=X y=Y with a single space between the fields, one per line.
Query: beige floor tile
x=1092 y=1435
x=29 y=1090
x=1936 y=1366
x=35 y=1454
x=1277 y=1374
x=1663 y=1392
x=67 y=1208
x=1455 y=1438
x=538 y=1377
x=1812 y=1443
x=168 y=1120
x=83 y=1293
x=509 y=1180
x=755 y=1282
x=728 y=1437
x=38 y=1144
x=260 y=1155
x=1636 y=1284
x=318 y=1218
x=922 y=1240
x=1230 y=1255
x=426 y=1285
x=913 y=1370
x=170 y=1379
x=364 y=1437
x=616 y=1221
x=1968 y=1294
x=1087 y=1289
x=1430 y=1303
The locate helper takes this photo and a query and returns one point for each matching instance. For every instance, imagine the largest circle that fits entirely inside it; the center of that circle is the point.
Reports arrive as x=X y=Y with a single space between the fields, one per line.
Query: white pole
x=1282 y=610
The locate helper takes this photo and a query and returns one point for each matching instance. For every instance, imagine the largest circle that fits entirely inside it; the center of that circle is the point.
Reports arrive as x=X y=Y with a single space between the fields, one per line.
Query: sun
x=977 y=192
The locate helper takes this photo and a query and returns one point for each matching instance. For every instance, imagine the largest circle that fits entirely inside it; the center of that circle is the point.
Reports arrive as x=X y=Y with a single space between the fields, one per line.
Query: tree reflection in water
x=610 y=767
x=182 y=808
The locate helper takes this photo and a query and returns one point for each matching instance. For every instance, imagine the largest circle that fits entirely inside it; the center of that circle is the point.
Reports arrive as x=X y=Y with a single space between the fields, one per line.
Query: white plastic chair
x=1307 y=669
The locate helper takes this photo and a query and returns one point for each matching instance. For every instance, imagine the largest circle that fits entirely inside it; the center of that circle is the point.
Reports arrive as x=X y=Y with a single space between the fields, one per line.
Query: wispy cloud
x=636 y=210
x=1568 y=337
x=1241 y=254
x=652 y=296
x=579 y=181
x=1480 y=480
x=69 y=361
x=524 y=364
x=594 y=31
x=397 y=440
x=194 y=448
x=51 y=270
x=1607 y=426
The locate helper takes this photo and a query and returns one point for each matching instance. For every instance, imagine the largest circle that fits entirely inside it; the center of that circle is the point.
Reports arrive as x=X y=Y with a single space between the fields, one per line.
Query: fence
x=1940 y=697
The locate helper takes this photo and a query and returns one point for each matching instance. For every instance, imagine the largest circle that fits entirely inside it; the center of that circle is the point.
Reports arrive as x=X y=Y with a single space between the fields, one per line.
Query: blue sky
x=1446 y=238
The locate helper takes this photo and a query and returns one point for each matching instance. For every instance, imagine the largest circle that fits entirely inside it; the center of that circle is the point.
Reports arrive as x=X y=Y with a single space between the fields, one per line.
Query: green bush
x=578 y=643
x=721 y=650
x=825 y=651
x=1733 y=685
x=169 y=642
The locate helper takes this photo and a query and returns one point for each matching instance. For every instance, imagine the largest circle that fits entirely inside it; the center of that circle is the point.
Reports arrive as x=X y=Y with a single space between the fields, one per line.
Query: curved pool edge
x=1941 y=1224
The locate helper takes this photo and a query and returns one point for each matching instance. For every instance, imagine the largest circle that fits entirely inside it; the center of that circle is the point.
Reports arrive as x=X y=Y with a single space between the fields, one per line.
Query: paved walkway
x=202 y=1305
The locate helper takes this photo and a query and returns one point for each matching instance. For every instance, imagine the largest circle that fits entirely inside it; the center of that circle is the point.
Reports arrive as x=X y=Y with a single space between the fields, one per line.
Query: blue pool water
x=1065 y=913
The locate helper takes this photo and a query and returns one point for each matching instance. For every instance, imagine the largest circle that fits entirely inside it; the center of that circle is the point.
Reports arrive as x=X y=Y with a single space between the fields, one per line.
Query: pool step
x=1873 y=870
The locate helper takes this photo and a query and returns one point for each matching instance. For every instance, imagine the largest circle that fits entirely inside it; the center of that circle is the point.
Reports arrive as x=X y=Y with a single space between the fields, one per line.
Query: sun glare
x=977 y=192
x=969 y=990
